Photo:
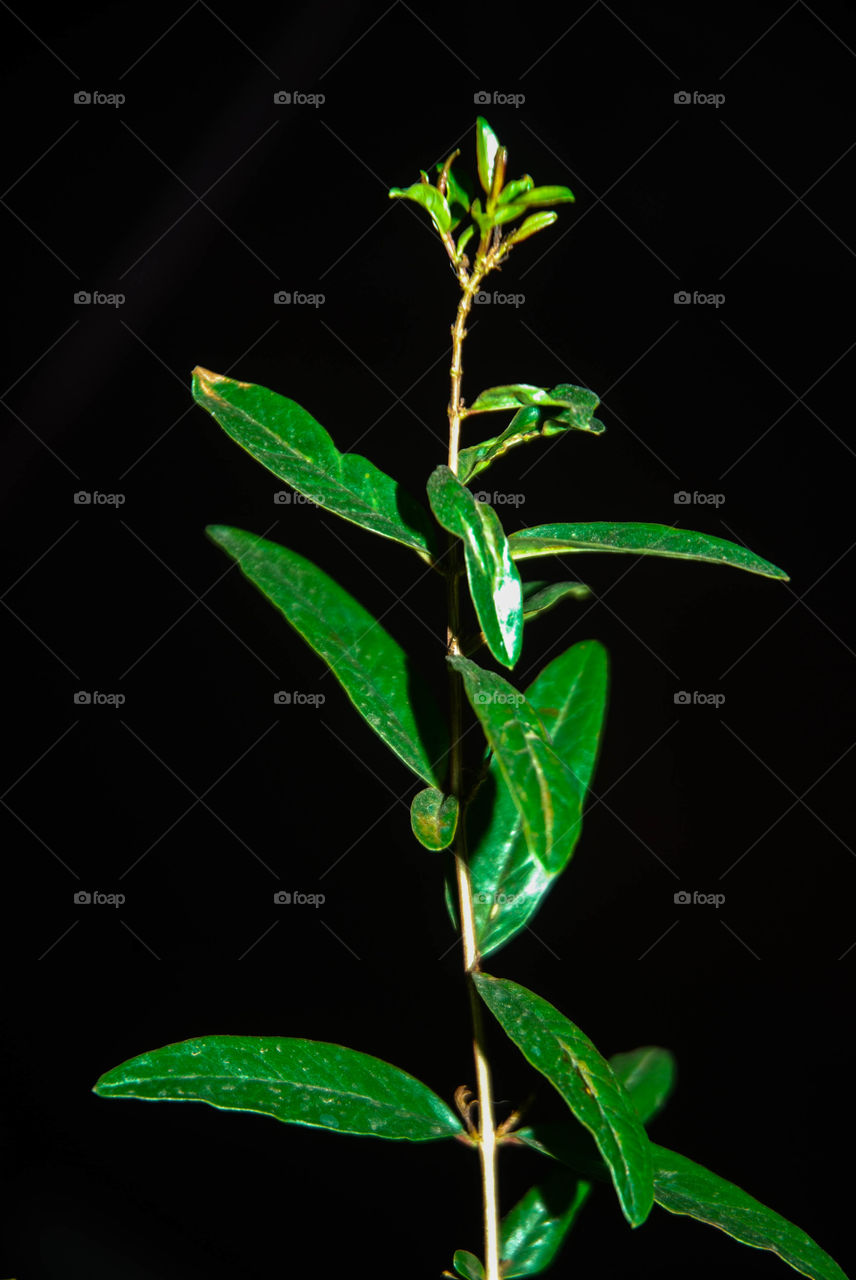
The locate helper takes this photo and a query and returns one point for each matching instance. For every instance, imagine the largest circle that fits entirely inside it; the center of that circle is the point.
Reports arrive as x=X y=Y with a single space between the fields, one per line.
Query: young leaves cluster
x=523 y=818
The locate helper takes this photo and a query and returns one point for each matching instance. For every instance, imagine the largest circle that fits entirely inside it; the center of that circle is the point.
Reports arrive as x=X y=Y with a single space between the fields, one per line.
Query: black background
x=198 y=199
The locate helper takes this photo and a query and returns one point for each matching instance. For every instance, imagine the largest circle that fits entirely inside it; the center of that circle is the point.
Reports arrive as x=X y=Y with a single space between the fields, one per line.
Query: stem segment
x=487 y=1130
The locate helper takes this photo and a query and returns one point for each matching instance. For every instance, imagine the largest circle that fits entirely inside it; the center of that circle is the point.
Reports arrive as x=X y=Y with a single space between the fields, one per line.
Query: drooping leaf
x=648 y=1075
x=534 y=1230
x=644 y=539
x=684 y=1187
x=565 y=1055
x=288 y=441
x=544 y=792
x=468 y=1265
x=529 y=423
x=434 y=818
x=429 y=198
x=493 y=578
x=487 y=148
x=304 y=1082
x=531 y=227
x=371 y=667
x=579 y=400
x=509 y=881
x=540 y=597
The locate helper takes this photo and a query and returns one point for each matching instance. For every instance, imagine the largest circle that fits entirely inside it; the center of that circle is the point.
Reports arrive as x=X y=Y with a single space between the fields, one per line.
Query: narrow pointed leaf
x=565 y=1055
x=288 y=441
x=540 y=597
x=684 y=1187
x=487 y=148
x=534 y=1230
x=545 y=195
x=371 y=667
x=543 y=790
x=468 y=1265
x=579 y=400
x=643 y=539
x=429 y=198
x=494 y=582
x=434 y=818
x=509 y=881
x=648 y=1075
x=304 y=1082
x=531 y=227
x=530 y=423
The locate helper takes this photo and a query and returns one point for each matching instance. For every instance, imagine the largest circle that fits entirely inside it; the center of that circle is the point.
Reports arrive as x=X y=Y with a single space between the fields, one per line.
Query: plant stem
x=487 y=1130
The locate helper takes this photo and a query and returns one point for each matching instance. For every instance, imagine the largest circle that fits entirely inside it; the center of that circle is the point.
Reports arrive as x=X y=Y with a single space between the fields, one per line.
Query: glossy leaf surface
x=287 y=440
x=509 y=882
x=306 y=1082
x=565 y=1055
x=371 y=667
x=684 y=1187
x=544 y=793
x=537 y=222
x=533 y=1231
x=493 y=578
x=545 y=195
x=540 y=597
x=643 y=539
x=579 y=400
x=529 y=423
x=468 y=1265
x=426 y=195
x=487 y=148
x=434 y=818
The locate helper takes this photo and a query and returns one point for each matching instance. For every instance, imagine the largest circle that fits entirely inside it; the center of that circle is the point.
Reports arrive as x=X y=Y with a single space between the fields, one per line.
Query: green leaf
x=513 y=189
x=458 y=191
x=527 y=424
x=684 y=1187
x=494 y=581
x=434 y=818
x=509 y=881
x=290 y=443
x=371 y=667
x=561 y=1052
x=304 y=1082
x=468 y=1265
x=540 y=597
x=534 y=1230
x=531 y=227
x=430 y=198
x=579 y=400
x=487 y=147
x=464 y=239
x=645 y=539
x=648 y=1075
x=545 y=195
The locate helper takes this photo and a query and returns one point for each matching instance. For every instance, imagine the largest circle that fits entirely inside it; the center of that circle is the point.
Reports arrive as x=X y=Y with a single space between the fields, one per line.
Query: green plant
x=520 y=803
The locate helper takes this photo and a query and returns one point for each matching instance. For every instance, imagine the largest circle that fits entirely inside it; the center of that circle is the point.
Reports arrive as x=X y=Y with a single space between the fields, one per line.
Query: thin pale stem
x=487 y=1129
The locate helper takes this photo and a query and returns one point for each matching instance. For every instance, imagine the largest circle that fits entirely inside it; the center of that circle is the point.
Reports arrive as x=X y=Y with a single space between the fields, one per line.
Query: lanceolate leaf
x=534 y=1230
x=565 y=1055
x=529 y=423
x=579 y=400
x=509 y=882
x=494 y=581
x=544 y=792
x=645 y=539
x=371 y=667
x=538 y=222
x=434 y=818
x=304 y=1082
x=290 y=443
x=540 y=597
x=682 y=1186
